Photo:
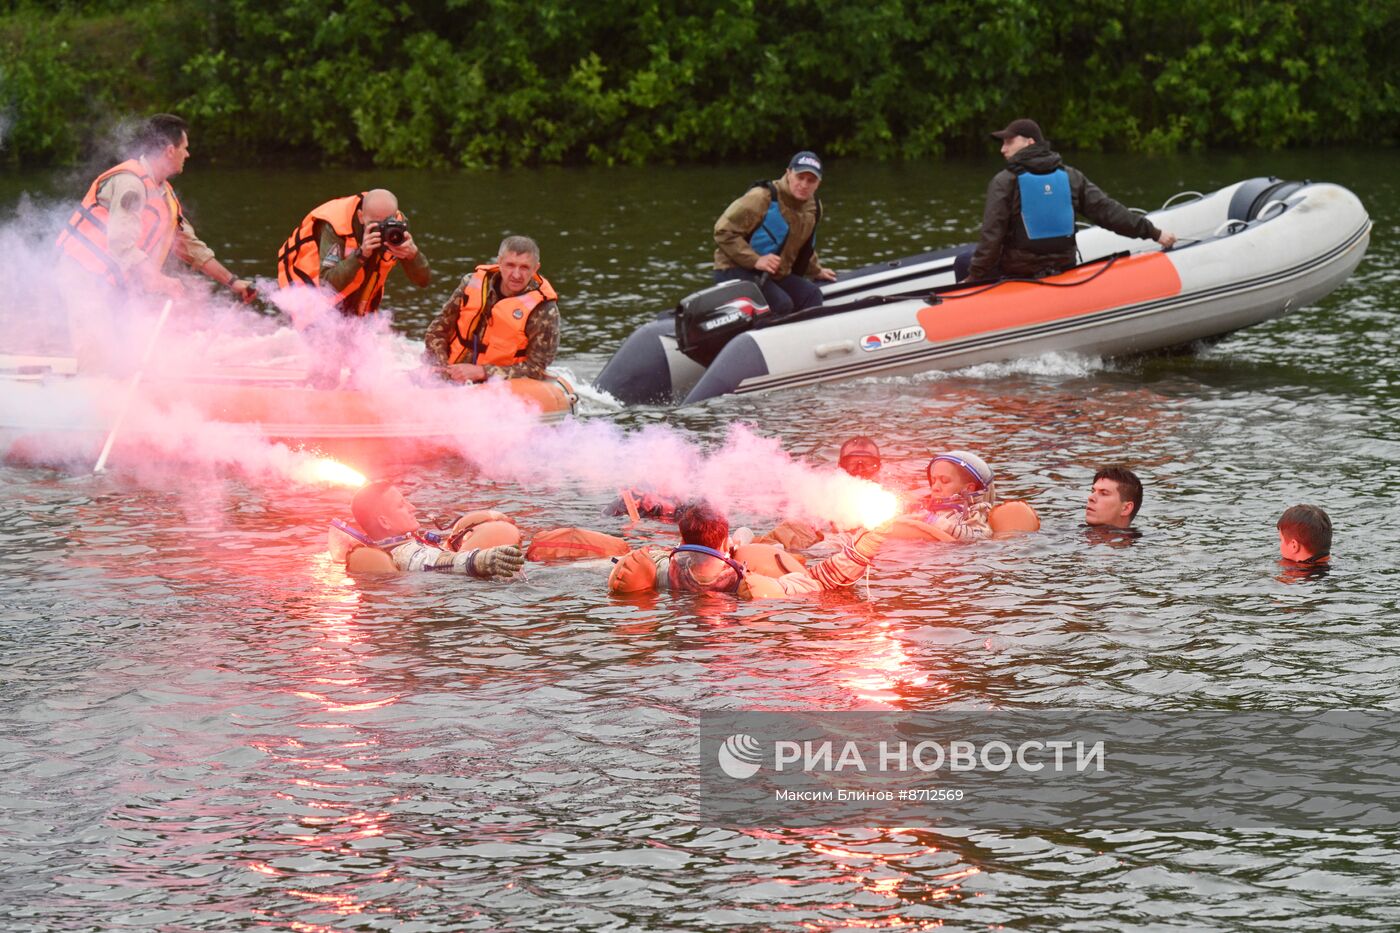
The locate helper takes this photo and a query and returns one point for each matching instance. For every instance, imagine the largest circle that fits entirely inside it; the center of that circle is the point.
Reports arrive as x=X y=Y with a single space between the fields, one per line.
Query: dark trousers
x=792 y=293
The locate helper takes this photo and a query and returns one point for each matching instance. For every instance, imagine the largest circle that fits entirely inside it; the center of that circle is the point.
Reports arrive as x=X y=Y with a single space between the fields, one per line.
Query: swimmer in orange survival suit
x=480 y=544
x=702 y=563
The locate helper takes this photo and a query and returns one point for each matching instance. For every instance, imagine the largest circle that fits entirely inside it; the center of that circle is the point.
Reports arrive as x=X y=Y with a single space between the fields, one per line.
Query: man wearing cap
x=769 y=236
x=1028 y=224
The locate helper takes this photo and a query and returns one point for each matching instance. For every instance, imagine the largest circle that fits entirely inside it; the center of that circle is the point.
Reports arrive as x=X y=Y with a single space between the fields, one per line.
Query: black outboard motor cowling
x=711 y=317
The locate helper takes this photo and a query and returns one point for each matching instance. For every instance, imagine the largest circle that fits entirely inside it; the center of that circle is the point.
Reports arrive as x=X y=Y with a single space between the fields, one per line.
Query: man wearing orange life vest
x=130 y=220
x=350 y=245
x=503 y=320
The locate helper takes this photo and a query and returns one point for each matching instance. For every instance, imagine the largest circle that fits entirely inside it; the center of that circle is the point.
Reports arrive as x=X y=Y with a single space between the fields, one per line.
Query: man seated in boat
x=1305 y=537
x=503 y=320
x=130 y=221
x=391 y=538
x=1115 y=498
x=703 y=563
x=349 y=246
x=769 y=236
x=1028 y=223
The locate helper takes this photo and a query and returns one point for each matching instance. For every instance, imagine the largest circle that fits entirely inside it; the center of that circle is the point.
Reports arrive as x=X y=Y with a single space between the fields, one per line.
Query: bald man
x=349 y=246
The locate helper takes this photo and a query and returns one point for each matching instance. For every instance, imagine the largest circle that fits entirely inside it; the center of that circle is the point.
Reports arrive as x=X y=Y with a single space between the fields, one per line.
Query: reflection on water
x=208 y=725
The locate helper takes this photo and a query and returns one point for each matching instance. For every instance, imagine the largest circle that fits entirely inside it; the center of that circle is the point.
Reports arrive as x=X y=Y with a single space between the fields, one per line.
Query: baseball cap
x=806 y=161
x=1021 y=127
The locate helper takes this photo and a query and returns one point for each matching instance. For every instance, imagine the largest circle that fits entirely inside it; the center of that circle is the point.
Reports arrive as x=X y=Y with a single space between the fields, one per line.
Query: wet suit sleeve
x=438 y=339
x=840 y=569
x=1108 y=213
x=734 y=225
x=996 y=223
x=542 y=330
x=972 y=525
x=413 y=555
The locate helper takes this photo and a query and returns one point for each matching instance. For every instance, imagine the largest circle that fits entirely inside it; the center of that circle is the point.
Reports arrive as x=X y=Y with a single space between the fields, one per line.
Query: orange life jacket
x=503 y=341
x=84 y=238
x=299 y=260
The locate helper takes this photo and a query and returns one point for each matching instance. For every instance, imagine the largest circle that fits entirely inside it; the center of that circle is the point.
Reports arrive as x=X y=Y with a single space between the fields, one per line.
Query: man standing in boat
x=350 y=245
x=503 y=320
x=1028 y=224
x=130 y=221
x=769 y=236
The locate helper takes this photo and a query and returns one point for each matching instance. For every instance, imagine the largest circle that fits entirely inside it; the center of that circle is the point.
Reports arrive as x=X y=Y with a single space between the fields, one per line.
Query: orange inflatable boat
x=52 y=413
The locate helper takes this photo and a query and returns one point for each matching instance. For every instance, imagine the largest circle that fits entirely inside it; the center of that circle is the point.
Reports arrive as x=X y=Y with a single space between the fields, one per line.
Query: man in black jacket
x=1028 y=226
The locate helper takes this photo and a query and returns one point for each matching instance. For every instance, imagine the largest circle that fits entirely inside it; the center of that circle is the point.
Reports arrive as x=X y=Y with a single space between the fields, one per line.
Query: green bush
x=497 y=83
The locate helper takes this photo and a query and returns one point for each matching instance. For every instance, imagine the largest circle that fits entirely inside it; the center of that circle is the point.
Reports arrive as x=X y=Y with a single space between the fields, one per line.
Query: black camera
x=393 y=231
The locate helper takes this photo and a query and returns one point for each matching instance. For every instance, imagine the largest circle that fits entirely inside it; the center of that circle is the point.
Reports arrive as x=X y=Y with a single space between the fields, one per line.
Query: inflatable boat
x=1245 y=254
x=53 y=413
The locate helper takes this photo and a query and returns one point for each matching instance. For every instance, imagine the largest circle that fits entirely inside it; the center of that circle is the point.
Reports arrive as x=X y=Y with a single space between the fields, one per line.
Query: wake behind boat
x=1246 y=253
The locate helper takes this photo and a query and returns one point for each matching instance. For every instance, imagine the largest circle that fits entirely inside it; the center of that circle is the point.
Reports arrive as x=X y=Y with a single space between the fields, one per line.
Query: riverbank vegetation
x=499 y=82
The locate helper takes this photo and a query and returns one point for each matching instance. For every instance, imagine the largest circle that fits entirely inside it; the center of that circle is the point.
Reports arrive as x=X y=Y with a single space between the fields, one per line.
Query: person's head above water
x=859 y=457
x=703 y=524
x=958 y=473
x=1305 y=534
x=383 y=512
x=1115 y=498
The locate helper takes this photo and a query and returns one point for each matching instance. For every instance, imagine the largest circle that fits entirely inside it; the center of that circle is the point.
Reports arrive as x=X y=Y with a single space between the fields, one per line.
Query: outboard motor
x=710 y=318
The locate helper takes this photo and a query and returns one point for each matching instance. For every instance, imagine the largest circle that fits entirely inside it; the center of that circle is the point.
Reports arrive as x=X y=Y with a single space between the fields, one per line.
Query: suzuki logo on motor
x=722 y=320
x=891 y=338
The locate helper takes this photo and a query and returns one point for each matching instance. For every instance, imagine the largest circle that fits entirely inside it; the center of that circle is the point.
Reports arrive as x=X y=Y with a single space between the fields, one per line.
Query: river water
x=205 y=724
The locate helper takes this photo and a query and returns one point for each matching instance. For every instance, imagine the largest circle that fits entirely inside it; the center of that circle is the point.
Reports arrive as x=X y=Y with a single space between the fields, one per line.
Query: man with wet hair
x=503 y=320
x=768 y=236
x=350 y=245
x=1305 y=535
x=1115 y=498
x=393 y=539
x=1028 y=223
x=702 y=563
x=130 y=221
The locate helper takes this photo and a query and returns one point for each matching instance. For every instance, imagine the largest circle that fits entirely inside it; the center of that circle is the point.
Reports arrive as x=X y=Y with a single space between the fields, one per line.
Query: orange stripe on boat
x=1013 y=305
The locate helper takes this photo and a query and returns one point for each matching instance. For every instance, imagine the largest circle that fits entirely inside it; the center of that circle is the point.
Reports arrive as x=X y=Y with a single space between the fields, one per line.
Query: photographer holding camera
x=350 y=245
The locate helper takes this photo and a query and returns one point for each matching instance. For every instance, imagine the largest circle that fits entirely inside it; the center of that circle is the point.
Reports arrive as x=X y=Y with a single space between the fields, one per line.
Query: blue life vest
x=770 y=236
x=680 y=573
x=1047 y=211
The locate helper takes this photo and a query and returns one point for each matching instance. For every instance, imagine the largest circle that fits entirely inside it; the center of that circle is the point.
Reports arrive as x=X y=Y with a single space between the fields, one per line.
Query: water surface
x=205 y=724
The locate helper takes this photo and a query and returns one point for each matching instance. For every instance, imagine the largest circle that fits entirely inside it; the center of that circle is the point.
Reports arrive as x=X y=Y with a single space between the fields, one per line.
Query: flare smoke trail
x=499 y=433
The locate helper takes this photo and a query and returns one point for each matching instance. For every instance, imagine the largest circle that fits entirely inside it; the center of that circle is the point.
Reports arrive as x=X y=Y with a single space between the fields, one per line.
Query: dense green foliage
x=500 y=82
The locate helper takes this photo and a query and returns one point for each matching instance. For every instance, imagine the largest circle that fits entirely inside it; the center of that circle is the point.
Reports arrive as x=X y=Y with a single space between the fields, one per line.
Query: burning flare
x=872 y=505
x=325 y=471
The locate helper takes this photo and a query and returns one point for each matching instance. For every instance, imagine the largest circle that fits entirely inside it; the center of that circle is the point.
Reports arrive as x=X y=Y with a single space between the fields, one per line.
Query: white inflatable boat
x=1246 y=253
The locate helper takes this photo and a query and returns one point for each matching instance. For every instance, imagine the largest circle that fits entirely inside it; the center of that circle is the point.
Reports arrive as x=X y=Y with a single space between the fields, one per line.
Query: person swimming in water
x=959 y=504
x=703 y=564
x=391 y=538
x=1305 y=537
x=859 y=456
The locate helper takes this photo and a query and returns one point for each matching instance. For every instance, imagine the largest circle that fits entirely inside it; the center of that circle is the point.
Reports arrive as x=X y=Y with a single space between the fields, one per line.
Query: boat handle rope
x=1196 y=195
x=937 y=298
